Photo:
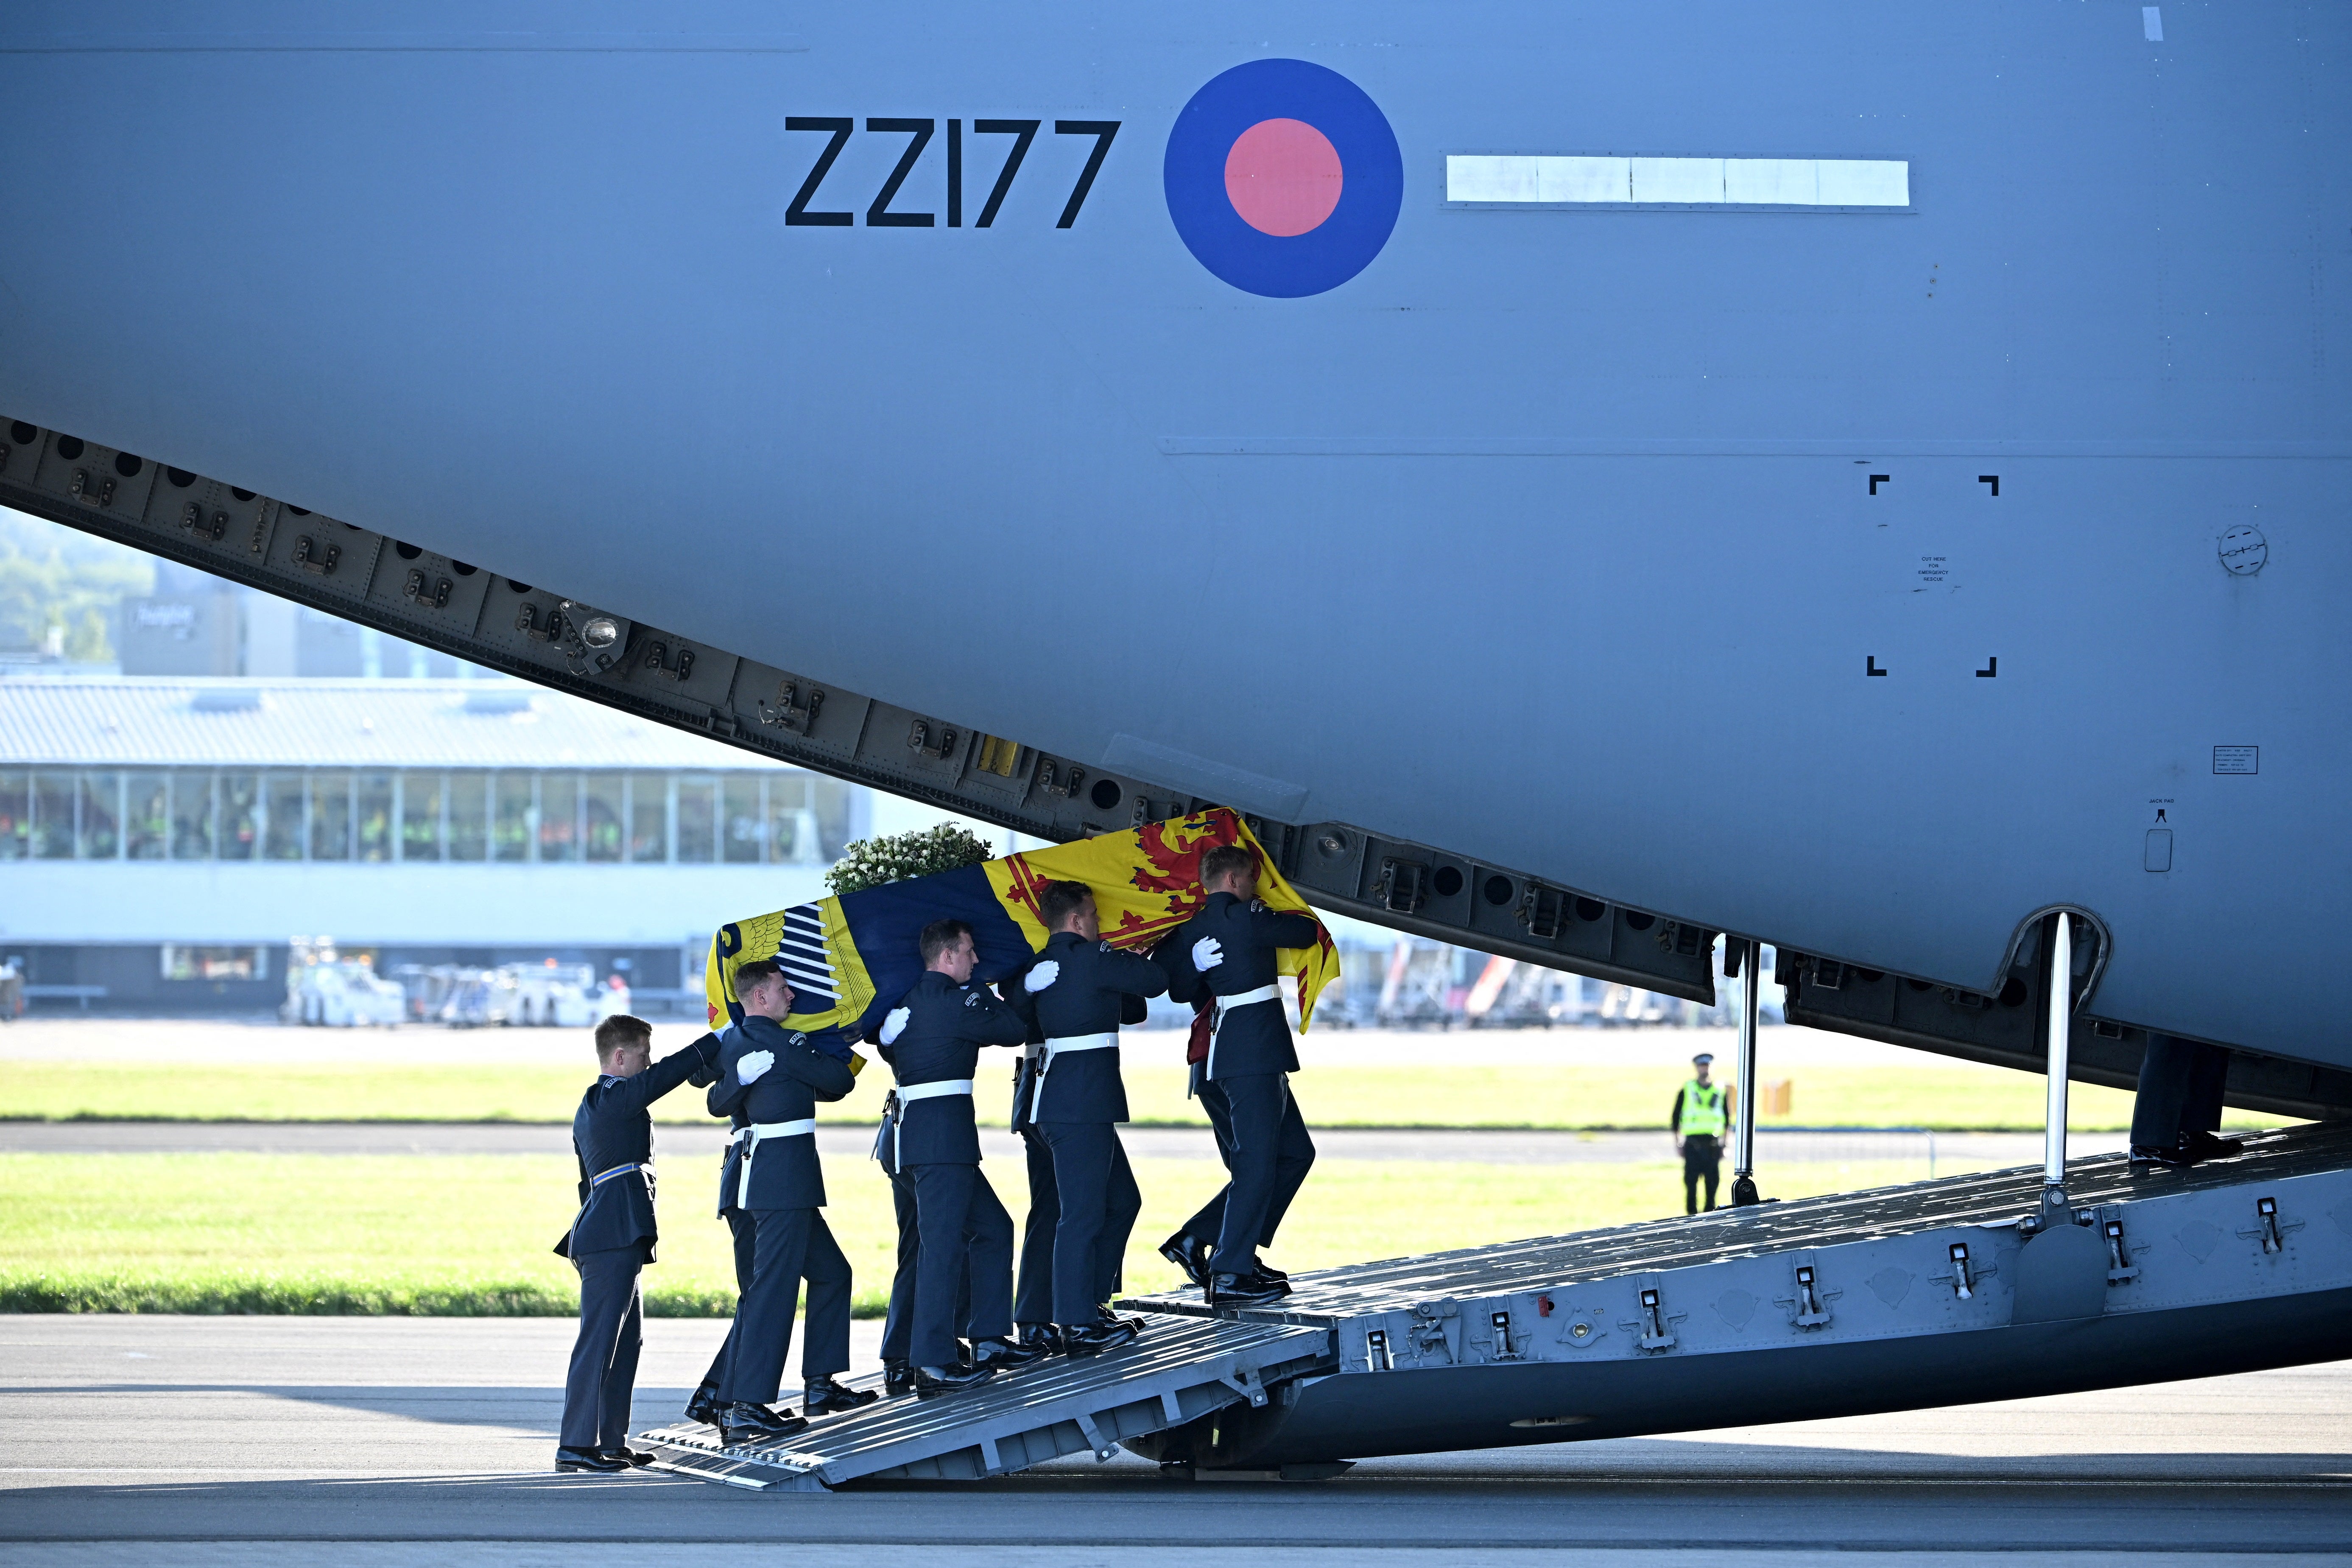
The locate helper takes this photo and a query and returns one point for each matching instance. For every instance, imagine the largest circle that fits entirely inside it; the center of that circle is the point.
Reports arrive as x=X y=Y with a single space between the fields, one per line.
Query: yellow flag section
x=1146 y=882
x=851 y=958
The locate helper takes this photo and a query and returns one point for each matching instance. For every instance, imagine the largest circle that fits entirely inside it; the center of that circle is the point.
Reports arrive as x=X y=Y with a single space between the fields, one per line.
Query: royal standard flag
x=851 y=958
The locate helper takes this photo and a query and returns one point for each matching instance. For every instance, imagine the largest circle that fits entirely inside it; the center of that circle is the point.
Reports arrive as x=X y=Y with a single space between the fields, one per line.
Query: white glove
x=1042 y=975
x=1207 y=953
x=753 y=1065
x=893 y=1024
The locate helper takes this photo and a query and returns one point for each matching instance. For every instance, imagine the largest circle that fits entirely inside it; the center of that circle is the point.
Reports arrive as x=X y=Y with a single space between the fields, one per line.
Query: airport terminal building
x=163 y=840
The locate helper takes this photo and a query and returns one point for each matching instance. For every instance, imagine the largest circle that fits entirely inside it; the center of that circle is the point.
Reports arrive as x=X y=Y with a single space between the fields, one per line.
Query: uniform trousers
x=1033 y=1294
x=1270 y=1158
x=963 y=1226
x=1098 y=1201
x=604 y=1368
x=898 y=1326
x=1702 y=1162
x=740 y=1223
x=2180 y=1085
x=789 y=1245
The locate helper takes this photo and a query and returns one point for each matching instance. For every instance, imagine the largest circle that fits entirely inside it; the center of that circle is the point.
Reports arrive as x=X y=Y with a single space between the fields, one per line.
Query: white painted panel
x=1584 y=179
x=1479 y=177
x=1580 y=180
x=1678 y=179
x=1772 y=182
x=1856 y=184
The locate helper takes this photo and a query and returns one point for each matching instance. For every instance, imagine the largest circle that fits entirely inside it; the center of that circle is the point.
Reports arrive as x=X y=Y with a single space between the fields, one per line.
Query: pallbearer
x=776 y=1078
x=1077 y=990
x=613 y=1236
x=935 y=1035
x=703 y=1403
x=1231 y=945
x=1033 y=1285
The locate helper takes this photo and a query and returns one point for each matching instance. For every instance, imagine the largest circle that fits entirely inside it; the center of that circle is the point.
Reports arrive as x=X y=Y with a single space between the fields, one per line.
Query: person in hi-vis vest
x=1702 y=1112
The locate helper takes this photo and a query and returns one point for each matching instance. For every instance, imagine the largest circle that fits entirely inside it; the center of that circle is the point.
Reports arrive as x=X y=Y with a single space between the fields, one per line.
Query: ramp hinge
x=790 y=712
x=1402 y=887
x=1809 y=1300
x=2121 y=1269
x=1243 y=1381
x=312 y=556
x=2270 y=1229
x=1656 y=1323
x=434 y=596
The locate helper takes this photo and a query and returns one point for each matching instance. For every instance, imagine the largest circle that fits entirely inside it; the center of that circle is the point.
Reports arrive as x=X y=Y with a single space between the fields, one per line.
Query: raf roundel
x=1283 y=178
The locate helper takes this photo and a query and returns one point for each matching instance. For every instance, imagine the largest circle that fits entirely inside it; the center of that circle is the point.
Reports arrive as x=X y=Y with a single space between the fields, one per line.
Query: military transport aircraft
x=1583 y=479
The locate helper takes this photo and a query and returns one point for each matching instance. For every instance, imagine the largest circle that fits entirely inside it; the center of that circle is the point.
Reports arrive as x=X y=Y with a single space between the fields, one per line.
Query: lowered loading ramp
x=1183 y=1369
x=1900 y=1298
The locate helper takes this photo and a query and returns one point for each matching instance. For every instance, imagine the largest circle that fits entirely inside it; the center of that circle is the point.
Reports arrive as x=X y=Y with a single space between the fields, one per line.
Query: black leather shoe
x=1271 y=1272
x=756 y=1423
x=1042 y=1337
x=1093 y=1339
x=587 y=1460
x=704 y=1405
x=1251 y=1289
x=1004 y=1355
x=635 y=1457
x=822 y=1396
x=1189 y=1254
x=897 y=1377
x=2201 y=1145
x=2145 y=1156
x=930 y=1382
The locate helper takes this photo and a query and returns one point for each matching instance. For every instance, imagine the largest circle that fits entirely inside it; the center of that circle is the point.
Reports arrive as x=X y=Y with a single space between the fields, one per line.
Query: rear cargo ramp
x=1181 y=1369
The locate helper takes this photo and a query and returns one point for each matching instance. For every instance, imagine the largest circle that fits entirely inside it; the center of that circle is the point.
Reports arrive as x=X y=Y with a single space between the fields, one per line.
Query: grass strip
x=469 y=1235
x=1955 y=1097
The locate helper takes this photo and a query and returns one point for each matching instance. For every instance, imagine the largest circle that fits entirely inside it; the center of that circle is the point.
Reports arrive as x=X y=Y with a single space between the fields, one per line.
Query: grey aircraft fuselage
x=1864 y=576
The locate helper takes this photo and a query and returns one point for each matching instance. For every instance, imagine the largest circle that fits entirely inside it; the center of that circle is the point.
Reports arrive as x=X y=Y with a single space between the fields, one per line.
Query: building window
x=240 y=815
x=147 y=819
x=101 y=803
x=697 y=829
x=375 y=809
x=215 y=963
x=15 y=816
x=559 y=816
x=603 y=809
x=285 y=825
x=330 y=817
x=191 y=816
x=745 y=825
x=53 y=816
x=792 y=832
x=514 y=818
x=420 y=816
x=649 y=817
x=469 y=817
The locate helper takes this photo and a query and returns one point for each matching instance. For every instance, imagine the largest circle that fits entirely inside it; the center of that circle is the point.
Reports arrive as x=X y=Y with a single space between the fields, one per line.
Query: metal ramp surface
x=1991 y=1198
x=1183 y=1368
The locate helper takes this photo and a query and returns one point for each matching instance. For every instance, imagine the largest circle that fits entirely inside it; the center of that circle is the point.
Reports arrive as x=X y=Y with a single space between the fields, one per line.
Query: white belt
x=909 y=1092
x=753 y=1136
x=1226 y=1005
x=1060 y=1048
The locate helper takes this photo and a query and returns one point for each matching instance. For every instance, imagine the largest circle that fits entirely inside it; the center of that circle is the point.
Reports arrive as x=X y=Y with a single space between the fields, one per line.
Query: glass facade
x=554 y=817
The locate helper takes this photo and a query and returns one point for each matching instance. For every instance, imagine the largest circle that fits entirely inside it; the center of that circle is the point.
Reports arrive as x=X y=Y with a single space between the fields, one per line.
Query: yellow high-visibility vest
x=1703 y=1112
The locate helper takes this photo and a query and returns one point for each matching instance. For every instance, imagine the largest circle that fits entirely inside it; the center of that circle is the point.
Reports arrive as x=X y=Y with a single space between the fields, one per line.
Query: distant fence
x=1849 y=1145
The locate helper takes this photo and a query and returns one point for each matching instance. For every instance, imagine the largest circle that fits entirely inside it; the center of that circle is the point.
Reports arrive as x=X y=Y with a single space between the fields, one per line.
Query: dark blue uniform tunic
x=611 y=1238
x=1243 y=1084
x=1076 y=990
x=781 y=1194
x=935 y=1035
